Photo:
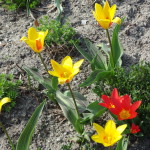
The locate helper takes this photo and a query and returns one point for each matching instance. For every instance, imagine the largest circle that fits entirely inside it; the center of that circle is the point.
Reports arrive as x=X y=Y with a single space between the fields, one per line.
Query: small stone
x=83 y=22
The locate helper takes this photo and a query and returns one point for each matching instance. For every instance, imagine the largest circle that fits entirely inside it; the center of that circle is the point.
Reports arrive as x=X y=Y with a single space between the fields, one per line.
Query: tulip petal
x=135 y=105
x=53 y=73
x=115 y=94
x=31 y=43
x=62 y=80
x=78 y=64
x=104 y=23
x=112 y=11
x=117 y=20
x=121 y=128
x=4 y=101
x=99 y=12
x=32 y=34
x=56 y=67
x=126 y=102
x=96 y=138
x=99 y=129
x=110 y=126
x=106 y=10
x=67 y=62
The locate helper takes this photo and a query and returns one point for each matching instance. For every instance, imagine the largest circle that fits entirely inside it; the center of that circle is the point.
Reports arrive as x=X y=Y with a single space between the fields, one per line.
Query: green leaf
x=55 y=83
x=103 y=74
x=59 y=8
x=122 y=144
x=46 y=82
x=116 y=47
x=100 y=62
x=69 y=111
x=91 y=79
x=96 y=109
x=82 y=102
x=26 y=136
x=83 y=53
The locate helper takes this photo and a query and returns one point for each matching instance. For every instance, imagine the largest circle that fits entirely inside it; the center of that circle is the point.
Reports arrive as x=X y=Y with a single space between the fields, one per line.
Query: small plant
x=58 y=34
x=9 y=88
x=15 y=4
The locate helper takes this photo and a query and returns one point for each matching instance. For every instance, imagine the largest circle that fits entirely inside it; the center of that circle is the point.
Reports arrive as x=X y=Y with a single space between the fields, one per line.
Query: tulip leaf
x=26 y=135
x=55 y=83
x=116 y=47
x=91 y=79
x=46 y=82
x=83 y=53
x=103 y=74
x=96 y=109
x=59 y=8
x=69 y=111
x=101 y=62
x=122 y=144
x=82 y=102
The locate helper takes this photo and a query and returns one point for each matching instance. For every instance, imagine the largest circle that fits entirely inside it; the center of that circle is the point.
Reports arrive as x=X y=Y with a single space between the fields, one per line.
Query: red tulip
x=134 y=128
x=120 y=105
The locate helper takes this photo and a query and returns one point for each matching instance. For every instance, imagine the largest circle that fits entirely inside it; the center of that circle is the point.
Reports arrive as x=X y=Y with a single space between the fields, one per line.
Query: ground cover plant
x=106 y=65
x=59 y=34
x=15 y=4
x=9 y=87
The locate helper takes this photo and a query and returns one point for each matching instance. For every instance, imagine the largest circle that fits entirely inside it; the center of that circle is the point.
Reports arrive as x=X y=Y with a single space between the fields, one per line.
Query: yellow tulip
x=4 y=101
x=35 y=39
x=104 y=15
x=109 y=135
x=66 y=70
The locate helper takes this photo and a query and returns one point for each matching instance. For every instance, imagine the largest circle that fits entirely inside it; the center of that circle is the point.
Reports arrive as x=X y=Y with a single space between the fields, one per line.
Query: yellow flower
x=35 y=39
x=109 y=135
x=104 y=15
x=4 y=101
x=66 y=70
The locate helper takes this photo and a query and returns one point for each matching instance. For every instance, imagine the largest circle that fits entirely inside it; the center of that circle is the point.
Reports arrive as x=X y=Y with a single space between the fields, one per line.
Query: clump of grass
x=15 y=4
x=134 y=82
x=9 y=88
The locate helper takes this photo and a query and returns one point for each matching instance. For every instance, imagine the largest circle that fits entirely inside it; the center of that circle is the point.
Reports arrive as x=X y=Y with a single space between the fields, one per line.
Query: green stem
x=108 y=35
x=43 y=62
x=73 y=97
x=9 y=139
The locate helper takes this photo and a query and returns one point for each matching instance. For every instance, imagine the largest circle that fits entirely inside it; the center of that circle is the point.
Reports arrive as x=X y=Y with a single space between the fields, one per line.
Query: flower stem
x=43 y=62
x=9 y=139
x=111 y=53
x=73 y=97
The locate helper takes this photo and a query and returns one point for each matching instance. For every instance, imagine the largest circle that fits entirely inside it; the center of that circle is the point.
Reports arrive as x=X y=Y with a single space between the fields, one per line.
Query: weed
x=9 y=88
x=15 y=4
x=58 y=34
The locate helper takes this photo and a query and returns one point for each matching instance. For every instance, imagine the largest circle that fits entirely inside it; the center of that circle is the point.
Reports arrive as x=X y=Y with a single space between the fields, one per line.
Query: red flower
x=120 y=105
x=134 y=128
x=108 y=102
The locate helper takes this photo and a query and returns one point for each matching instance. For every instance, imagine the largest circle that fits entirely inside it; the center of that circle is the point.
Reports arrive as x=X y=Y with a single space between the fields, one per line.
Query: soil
x=53 y=130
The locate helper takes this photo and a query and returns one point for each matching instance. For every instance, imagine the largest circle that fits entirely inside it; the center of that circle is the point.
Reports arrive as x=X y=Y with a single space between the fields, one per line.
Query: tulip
x=66 y=70
x=108 y=135
x=104 y=15
x=120 y=105
x=35 y=39
x=4 y=101
x=134 y=129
